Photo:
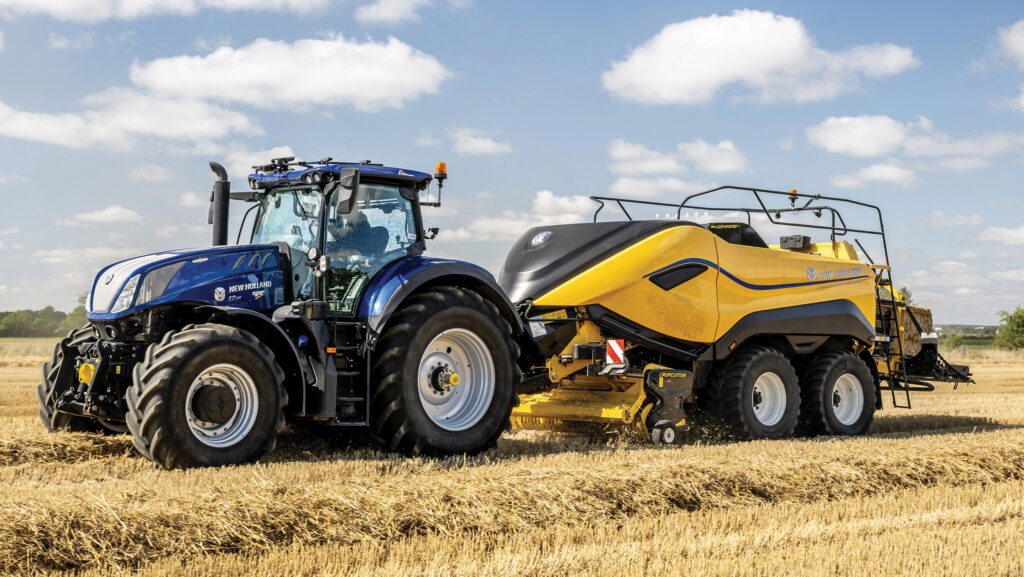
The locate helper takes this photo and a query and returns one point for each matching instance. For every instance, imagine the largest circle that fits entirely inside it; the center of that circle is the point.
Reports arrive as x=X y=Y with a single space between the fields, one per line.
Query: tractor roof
x=284 y=171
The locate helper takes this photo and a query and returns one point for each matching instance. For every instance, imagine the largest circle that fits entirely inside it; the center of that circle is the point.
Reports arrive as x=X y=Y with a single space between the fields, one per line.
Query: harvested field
x=936 y=489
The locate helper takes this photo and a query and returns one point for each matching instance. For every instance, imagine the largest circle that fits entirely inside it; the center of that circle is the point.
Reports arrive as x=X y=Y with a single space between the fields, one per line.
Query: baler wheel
x=755 y=394
x=838 y=395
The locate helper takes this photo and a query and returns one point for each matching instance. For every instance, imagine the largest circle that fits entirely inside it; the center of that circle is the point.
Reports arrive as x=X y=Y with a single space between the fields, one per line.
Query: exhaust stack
x=220 y=196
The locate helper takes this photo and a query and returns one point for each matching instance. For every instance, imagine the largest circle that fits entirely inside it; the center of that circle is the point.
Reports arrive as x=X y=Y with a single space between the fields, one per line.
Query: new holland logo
x=218 y=294
x=810 y=273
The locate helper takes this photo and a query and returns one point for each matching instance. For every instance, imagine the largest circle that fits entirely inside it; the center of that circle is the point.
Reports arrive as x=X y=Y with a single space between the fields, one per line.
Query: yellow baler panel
x=755 y=279
x=688 y=312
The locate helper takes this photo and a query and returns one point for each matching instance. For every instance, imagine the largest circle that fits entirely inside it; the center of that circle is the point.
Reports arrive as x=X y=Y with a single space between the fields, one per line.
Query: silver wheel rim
x=769 y=399
x=847 y=399
x=459 y=406
x=247 y=404
x=668 y=436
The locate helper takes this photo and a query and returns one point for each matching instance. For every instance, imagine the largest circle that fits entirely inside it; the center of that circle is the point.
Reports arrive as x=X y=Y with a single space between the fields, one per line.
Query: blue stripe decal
x=745 y=284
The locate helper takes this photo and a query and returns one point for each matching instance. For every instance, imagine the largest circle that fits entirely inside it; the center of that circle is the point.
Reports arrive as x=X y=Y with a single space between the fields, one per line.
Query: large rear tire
x=755 y=394
x=52 y=419
x=838 y=395
x=444 y=375
x=207 y=395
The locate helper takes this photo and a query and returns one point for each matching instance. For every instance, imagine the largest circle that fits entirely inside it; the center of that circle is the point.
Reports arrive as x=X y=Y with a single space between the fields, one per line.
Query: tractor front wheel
x=207 y=395
x=445 y=375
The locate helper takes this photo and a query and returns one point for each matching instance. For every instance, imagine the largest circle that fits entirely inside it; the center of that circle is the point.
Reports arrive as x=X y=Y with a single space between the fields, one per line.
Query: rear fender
x=393 y=285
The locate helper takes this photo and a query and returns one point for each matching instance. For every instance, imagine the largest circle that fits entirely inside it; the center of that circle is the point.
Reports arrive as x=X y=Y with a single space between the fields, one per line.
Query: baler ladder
x=896 y=380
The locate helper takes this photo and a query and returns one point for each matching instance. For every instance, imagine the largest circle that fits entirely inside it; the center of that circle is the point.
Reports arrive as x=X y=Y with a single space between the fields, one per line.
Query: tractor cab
x=336 y=224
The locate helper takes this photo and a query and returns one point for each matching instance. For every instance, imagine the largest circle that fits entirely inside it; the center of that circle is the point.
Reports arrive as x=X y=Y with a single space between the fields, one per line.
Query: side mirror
x=345 y=189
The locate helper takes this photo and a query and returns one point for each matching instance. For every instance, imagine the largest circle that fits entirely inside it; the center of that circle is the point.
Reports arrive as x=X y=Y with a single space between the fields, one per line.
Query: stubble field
x=935 y=490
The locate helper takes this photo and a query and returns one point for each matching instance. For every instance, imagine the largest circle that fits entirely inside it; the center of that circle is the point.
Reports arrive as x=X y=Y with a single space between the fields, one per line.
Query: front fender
x=394 y=284
x=270 y=333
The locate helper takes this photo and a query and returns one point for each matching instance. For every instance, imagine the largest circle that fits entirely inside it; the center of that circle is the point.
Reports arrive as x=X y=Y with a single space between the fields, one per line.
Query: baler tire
x=399 y=421
x=157 y=399
x=52 y=419
x=734 y=385
x=817 y=390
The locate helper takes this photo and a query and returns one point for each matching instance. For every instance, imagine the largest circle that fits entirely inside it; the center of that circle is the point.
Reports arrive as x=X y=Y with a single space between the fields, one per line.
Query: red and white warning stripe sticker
x=613 y=353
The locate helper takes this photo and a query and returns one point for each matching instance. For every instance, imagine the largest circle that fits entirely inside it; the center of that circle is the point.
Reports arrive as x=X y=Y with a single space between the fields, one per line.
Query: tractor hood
x=245 y=276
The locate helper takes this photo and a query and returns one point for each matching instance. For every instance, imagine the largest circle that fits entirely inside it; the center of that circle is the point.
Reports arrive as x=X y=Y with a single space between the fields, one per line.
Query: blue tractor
x=330 y=315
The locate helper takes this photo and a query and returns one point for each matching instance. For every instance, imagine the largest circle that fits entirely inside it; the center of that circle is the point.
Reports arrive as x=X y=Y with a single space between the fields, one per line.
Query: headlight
x=124 y=300
x=156 y=281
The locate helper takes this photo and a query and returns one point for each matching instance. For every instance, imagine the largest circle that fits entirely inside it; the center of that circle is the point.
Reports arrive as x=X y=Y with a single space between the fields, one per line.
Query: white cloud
x=652 y=187
x=1012 y=274
x=786 y=144
x=332 y=71
x=1001 y=235
x=867 y=136
x=390 y=11
x=964 y=291
x=191 y=200
x=117 y=117
x=99 y=10
x=1011 y=40
x=239 y=160
x=632 y=159
x=9 y=231
x=111 y=214
x=772 y=57
x=150 y=173
x=888 y=172
x=81 y=41
x=949 y=266
x=548 y=209
x=79 y=256
x=172 y=231
x=427 y=141
x=860 y=136
x=472 y=141
x=721 y=157
x=3 y=45
x=939 y=219
x=13 y=179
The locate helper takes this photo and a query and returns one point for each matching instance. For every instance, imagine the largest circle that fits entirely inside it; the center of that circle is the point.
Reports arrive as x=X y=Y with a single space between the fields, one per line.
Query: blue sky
x=109 y=110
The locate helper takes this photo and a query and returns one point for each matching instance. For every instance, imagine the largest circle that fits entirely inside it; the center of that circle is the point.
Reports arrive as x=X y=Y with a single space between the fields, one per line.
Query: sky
x=111 y=109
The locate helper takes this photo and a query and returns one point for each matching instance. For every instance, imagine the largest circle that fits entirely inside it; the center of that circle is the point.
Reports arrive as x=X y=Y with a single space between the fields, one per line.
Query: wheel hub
x=769 y=399
x=456 y=379
x=222 y=405
x=214 y=403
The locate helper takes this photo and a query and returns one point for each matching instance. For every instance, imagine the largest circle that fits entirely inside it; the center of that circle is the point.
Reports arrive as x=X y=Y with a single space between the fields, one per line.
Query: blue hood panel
x=243 y=276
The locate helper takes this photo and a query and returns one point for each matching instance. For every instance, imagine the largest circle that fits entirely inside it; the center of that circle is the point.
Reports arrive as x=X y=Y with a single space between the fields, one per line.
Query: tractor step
x=351 y=399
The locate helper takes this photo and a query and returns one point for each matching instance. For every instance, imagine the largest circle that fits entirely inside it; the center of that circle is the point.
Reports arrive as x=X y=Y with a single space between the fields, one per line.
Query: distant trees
x=1011 y=330
x=46 y=322
x=908 y=297
x=952 y=341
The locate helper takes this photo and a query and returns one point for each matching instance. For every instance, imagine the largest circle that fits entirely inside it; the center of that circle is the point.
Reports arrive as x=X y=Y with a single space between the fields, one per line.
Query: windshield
x=380 y=229
x=290 y=216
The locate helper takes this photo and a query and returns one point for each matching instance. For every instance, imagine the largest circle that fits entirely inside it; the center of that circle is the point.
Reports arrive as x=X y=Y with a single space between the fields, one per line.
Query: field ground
x=936 y=490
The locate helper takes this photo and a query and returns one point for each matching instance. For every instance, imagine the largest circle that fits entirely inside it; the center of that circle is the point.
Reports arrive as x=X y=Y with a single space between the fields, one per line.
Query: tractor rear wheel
x=838 y=394
x=444 y=375
x=207 y=395
x=52 y=419
x=755 y=394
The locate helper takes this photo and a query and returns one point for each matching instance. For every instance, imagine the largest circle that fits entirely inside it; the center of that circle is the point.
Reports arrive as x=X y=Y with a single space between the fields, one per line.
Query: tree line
x=45 y=322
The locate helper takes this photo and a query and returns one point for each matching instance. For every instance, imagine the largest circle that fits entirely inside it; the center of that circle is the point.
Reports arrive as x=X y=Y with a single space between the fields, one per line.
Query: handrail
x=837 y=228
